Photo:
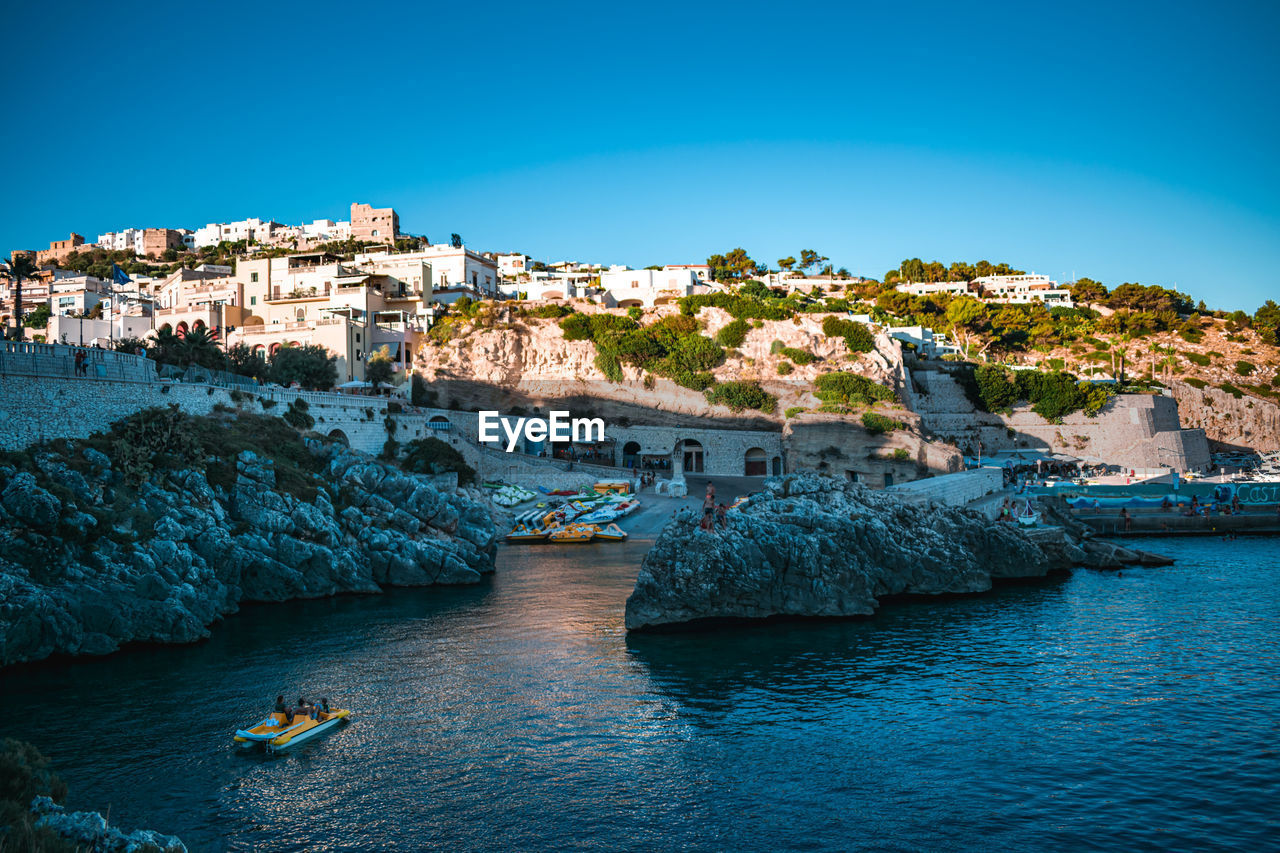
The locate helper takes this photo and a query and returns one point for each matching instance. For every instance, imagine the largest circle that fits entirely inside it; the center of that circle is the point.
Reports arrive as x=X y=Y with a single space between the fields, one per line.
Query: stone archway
x=182 y=329
x=755 y=463
x=690 y=450
x=339 y=435
x=631 y=454
x=777 y=466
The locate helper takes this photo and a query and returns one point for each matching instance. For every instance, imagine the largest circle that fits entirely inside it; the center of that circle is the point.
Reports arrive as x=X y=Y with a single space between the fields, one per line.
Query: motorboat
x=277 y=734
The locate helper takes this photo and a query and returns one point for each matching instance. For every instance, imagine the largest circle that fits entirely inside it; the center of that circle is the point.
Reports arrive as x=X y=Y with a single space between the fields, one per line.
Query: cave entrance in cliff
x=756 y=463
x=694 y=457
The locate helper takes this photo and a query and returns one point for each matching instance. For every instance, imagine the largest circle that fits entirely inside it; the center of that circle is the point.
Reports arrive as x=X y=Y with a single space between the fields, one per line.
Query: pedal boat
x=527 y=533
x=611 y=533
x=277 y=734
x=573 y=533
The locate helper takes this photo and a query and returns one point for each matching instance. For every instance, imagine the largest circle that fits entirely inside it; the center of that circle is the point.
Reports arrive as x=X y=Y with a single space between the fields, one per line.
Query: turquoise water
x=1128 y=711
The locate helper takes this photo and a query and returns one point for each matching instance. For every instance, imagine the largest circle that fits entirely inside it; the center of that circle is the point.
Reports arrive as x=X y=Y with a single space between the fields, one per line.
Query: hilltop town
x=881 y=381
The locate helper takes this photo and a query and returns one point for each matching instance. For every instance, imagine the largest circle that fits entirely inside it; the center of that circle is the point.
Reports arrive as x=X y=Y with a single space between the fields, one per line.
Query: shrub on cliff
x=845 y=390
x=739 y=306
x=857 y=337
x=876 y=423
x=799 y=356
x=733 y=335
x=785 y=368
x=433 y=456
x=24 y=775
x=741 y=395
x=550 y=311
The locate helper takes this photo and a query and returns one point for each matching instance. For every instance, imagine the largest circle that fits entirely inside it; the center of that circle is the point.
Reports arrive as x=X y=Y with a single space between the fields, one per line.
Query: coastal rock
x=82 y=573
x=816 y=546
x=91 y=830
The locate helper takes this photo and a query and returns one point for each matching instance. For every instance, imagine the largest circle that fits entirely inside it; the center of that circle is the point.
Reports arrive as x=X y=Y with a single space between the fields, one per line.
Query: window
x=253 y=276
x=357 y=337
x=253 y=300
x=375 y=232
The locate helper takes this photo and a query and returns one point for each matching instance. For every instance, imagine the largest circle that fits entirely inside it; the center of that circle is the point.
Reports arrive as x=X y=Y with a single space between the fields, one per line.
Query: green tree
x=245 y=361
x=310 y=366
x=21 y=267
x=455 y=240
x=1086 y=291
x=734 y=265
x=1266 y=321
x=38 y=318
x=200 y=348
x=378 y=368
x=786 y=263
x=968 y=318
x=809 y=259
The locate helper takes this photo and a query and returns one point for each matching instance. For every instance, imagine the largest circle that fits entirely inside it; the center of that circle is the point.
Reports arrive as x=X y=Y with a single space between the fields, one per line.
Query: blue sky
x=1126 y=142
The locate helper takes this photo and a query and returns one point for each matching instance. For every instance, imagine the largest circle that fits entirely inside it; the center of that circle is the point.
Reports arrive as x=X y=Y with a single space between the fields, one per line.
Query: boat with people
x=280 y=732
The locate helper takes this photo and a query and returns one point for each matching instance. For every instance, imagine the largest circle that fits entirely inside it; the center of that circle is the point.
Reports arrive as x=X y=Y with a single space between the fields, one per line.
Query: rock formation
x=91 y=830
x=817 y=546
x=88 y=561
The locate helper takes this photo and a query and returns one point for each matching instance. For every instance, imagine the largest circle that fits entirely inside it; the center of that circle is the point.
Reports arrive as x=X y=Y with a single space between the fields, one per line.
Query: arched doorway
x=777 y=466
x=630 y=303
x=182 y=329
x=439 y=423
x=339 y=435
x=692 y=454
x=756 y=463
x=631 y=454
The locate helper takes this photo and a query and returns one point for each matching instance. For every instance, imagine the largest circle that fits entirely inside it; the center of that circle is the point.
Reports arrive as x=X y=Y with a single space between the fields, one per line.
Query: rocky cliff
x=1242 y=422
x=527 y=361
x=90 y=560
x=817 y=546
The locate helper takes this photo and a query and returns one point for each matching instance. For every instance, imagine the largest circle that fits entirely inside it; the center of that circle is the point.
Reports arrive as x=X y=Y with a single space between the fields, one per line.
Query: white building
x=128 y=240
x=701 y=271
x=1023 y=289
x=930 y=288
x=451 y=268
x=250 y=230
x=626 y=288
x=512 y=265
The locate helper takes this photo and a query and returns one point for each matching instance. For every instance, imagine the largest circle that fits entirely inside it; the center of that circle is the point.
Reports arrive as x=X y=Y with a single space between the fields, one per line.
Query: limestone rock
x=816 y=546
x=86 y=576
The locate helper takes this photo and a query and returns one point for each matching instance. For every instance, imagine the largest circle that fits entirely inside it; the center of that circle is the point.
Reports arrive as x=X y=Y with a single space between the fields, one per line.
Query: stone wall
x=1244 y=422
x=36 y=408
x=956 y=489
x=838 y=447
x=1138 y=431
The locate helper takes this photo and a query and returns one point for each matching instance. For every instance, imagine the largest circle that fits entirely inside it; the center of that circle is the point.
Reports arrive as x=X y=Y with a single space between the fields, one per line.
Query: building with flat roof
x=375 y=224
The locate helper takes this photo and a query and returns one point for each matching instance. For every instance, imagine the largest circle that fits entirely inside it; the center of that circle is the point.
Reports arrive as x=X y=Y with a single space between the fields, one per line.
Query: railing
x=18 y=358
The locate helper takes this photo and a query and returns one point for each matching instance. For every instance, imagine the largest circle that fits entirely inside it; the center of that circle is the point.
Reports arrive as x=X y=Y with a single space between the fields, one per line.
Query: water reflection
x=518 y=714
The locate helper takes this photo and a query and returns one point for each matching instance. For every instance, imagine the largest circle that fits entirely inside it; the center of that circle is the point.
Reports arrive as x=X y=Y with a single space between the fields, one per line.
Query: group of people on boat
x=302 y=709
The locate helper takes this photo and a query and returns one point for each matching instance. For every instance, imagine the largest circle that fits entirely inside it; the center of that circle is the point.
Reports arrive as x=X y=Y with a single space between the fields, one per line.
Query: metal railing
x=18 y=358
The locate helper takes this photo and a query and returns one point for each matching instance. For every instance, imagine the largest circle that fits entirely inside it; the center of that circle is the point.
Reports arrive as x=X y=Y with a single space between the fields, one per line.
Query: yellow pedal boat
x=276 y=733
x=527 y=533
x=573 y=533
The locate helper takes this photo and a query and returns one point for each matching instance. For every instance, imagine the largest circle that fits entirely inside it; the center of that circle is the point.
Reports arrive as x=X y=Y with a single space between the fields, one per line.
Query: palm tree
x=20 y=267
x=199 y=347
